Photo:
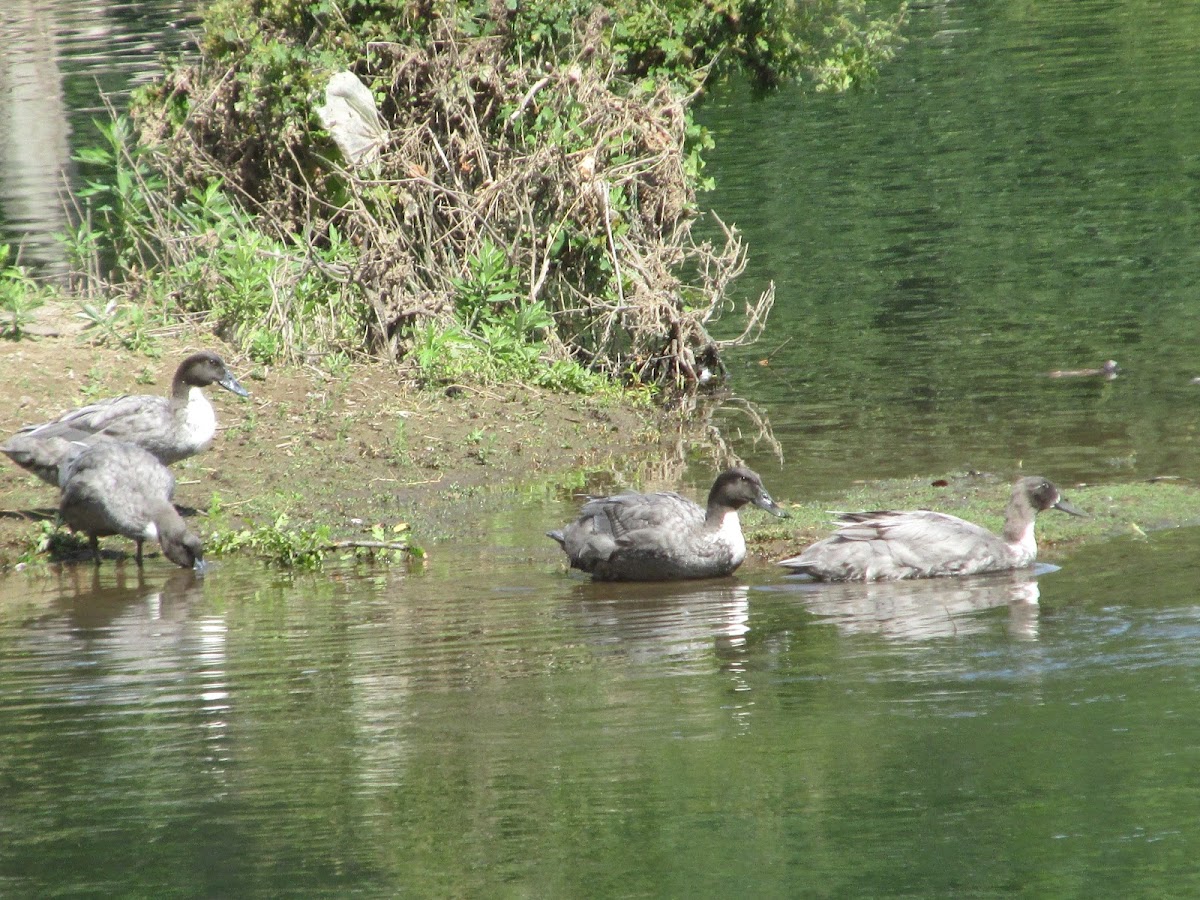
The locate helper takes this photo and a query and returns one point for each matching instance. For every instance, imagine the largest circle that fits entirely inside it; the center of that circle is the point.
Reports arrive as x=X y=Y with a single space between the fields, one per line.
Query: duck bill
x=764 y=501
x=1069 y=509
x=231 y=384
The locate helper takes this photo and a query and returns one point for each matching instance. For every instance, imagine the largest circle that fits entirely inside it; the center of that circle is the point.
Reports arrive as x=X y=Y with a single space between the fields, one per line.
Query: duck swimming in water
x=171 y=428
x=663 y=536
x=1109 y=370
x=889 y=545
x=113 y=487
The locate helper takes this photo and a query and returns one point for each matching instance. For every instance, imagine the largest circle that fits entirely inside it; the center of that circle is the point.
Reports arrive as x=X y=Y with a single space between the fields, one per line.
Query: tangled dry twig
x=582 y=180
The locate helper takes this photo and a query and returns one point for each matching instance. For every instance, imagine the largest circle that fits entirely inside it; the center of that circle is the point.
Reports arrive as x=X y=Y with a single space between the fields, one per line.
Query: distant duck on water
x=890 y=545
x=663 y=536
x=1109 y=371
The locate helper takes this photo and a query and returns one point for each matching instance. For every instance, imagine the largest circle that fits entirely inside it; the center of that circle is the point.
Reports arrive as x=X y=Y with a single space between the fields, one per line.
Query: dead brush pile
x=587 y=184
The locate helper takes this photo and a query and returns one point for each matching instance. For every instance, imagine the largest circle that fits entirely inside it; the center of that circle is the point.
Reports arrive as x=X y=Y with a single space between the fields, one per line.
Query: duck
x=1109 y=370
x=114 y=487
x=171 y=428
x=664 y=536
x=891 y=545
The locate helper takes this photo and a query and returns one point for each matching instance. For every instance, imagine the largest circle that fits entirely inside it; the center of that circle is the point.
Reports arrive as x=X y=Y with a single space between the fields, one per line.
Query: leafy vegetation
x=495 y=334
x=49 y=541
x=279 y=542
x=203 y=254
x=20 y=295
x=308 y=547
x=523 y=207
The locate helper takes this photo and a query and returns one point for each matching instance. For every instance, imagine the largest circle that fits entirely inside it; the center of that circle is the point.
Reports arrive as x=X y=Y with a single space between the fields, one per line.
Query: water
x=1015 y=196
x=430 y=735
x=62 y=58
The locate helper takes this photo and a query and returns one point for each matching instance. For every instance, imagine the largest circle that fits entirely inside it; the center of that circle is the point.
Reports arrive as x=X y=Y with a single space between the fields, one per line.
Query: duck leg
x=138 y=541
x=94 y=543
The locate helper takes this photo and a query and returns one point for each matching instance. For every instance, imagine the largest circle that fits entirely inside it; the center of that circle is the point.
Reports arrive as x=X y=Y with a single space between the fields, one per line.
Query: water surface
x=61 y=62
x=247 y=734
x=1017 y=194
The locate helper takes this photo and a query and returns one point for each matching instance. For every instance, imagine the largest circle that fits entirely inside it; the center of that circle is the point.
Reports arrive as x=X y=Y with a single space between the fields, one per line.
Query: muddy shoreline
x=349 y=450
x=362 y=452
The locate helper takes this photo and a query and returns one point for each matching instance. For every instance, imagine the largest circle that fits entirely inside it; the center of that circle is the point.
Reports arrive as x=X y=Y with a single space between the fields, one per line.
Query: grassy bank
x=315 y=457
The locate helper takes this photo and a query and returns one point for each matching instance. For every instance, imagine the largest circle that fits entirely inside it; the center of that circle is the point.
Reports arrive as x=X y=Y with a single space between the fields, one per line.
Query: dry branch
x=579 y=178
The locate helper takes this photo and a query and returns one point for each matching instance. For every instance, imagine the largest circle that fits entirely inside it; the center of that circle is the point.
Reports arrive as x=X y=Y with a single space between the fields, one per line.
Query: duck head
x=205 y=368
x=183 y=548
x=736 y=487
x=1043 y=495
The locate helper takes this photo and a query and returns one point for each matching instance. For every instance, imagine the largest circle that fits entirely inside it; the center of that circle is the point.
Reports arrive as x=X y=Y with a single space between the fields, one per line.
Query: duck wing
x=44 y=457
x=623 y=525
x=624 y=514
x=123 y=418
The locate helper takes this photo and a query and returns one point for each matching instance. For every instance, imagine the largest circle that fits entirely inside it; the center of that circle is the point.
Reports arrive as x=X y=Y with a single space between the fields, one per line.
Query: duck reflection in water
x=1108 y=371
x=932 y=608
x=649 y=623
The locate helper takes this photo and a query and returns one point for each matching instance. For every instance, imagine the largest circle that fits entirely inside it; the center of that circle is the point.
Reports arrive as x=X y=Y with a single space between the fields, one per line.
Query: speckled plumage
x=113 y=487
x=171 y=428
x=890 y=545
x=663 y=536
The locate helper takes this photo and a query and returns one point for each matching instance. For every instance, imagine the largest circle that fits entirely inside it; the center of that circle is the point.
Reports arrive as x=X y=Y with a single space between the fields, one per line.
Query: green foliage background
x=224 y=201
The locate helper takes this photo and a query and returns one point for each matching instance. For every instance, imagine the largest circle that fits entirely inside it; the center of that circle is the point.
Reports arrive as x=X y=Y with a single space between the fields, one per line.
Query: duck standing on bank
x=663 y=536
x=890 y=545
x=171 y=428
x=113 y=487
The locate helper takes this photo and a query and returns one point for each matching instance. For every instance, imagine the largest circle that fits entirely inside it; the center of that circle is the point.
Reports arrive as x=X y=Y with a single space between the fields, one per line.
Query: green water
x=528 y=734
x=1019 y=193
x=1016 y=195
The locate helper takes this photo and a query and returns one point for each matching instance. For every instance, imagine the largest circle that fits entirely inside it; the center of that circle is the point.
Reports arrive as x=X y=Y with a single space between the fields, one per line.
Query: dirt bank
x=350 y=449
x=360 y=448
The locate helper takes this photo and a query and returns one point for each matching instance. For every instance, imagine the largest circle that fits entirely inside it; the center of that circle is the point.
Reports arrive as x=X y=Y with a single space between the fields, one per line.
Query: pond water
x=59 y=59
x=527 y=734
x=1013 y=197
x=1017 y=194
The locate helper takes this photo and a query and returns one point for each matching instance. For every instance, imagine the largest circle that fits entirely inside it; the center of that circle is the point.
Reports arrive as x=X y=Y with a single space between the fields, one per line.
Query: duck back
x=892 y=545
x=116 y=488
